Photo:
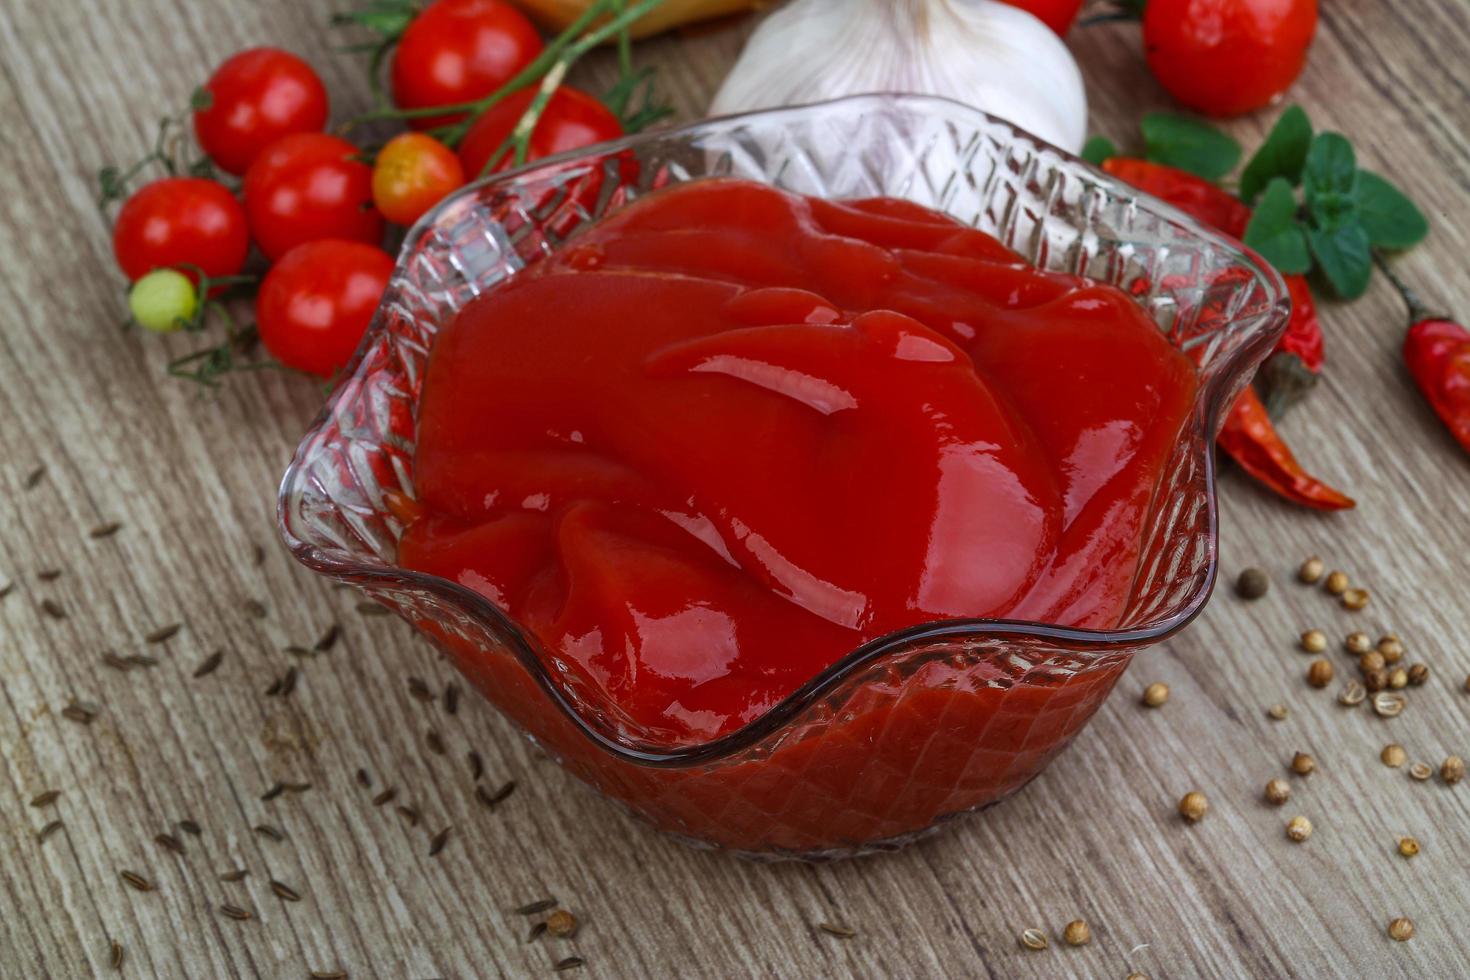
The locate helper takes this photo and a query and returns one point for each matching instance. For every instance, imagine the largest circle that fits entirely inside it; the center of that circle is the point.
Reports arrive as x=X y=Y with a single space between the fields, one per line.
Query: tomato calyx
x=387 y=19
x=171 y=151
x=206 y=365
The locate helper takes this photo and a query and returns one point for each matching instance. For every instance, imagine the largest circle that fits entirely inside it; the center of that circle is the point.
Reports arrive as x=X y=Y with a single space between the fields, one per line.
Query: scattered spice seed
x=35 y=476
x=47 y=831
x=537 y=907
x=451 y=698
x=210 y=665
x=1388 y=705
x=1393 y=755
x=328 y=975
x=494 y=799
x=257 y=554
x=190 y=827
x=111 y=659
x=568 y=963
x=297 y=650
x=1278 y=791
x=419 y=689
x=371 y=609
x=1320 y=673
x=284 y=685
x=328 y=639
x=234 y=912
x=1370 y=661
x=52 y=608
x=1391 y=647
x=276 y=790
x=1311 y=570
x=1418 y=674
x=45 y=799
x=266 y=830
x=1408 y=846
x=1277 y=711
x=1303 y=764
x=477 y=765
x=135 y=881
x=49 y=574
x=1401 y=929
x=169 y=843
x=363 y=779
x=1193 y=805
x=1077 y=933
x=1337 y=583
x=563 y=924
x=1398 y=678
x=1452 y=770
x=1421 y=771
x=1375 y=680
x=139 y=660
x=1314 y=641
x=236 y=874
x=105 y=530
x=1033 y=939
x=830 y=928
x=1355 y=599
x=115 y=955
x=284 y=891
x=1299 y=829
x=82 y=712
x=385 y=796
x=163 y=633
x=440 y=839
x=254 y=607
x=1252 y=583
x=536 y=931
x=297 y=787
x=1155 y=694
x=411 y=814
x=1352 y=694
x=436 y=744
x=1357 y=643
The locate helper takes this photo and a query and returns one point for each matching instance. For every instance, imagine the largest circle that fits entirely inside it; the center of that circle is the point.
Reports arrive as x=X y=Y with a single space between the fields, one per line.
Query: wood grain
x=191 y=478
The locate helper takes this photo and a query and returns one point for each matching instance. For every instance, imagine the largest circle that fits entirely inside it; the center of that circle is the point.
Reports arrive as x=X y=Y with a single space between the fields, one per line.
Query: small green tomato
x=162 y=300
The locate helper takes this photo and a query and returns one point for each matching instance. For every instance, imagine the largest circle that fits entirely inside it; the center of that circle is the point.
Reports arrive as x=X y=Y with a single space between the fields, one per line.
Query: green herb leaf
x=1344 y=254
x=1282 y=155
x=1189 y=144
x=1389 y=217
x=1099 y=149
x=201 y=99
x=1331 y=166
x=1275 y=232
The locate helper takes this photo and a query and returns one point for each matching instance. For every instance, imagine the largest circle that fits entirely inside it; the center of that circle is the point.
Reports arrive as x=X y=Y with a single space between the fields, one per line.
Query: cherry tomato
x=412 y=174
x=163 y=300
x=317 y=301
x=177 y=221
x=571 y=119
x=1226 y=57
x=459 y=50
x=310 y=186
x=255 y=98
x=1056 y=14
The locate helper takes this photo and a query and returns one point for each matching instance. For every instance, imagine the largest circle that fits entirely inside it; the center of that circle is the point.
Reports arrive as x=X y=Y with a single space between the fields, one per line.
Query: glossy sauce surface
x=728 y=434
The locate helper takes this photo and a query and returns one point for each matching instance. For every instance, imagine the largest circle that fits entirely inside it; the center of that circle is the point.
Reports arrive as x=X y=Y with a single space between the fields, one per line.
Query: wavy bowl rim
x=1083 y=642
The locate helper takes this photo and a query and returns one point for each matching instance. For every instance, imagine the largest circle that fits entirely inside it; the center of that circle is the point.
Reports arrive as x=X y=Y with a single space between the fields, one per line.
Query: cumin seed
x=419 y=689
x=163 y=633
x=328 y=639
x=477 y=765
x=45 y=799
x=276 y=790
x=451 y=698
x=82 y=712
x=112 y=660
x=569 y=963
x=386 y=796
x=52 y=608
x=105 y=530
x=115 y=955
x=363 y=779
x=436 y=744
x=236 y=874
x=35 y=476
x=535 y=908
x=169 y=842
x=190 y=827
x=440 y=839
x=47 y=831
x=266 y=830
x=139 y=660
x=840 y=931
x=254 y=607
x=136 y=881
x=210 y=665
x=410 y=814
x=234 y=912
x=536 y=931
x=492 y=800
x=49 y=574
x=257 y=554
x=297 y=787
x=284 y=891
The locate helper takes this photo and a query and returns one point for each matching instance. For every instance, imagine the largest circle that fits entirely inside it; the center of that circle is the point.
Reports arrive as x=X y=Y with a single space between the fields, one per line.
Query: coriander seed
x=1355 y=599
x=1388 y=705
x=1393 y=755
x=1311 y=570
x=1408 y=846
x=1277 y=711
x=1452 y=770
x=1391 y=647
x=1314 y=641
x=1401 y=929
x=1375 y=679
x=1193 y=805
x=1299 y=829
x=1278 y=791
x=1155 y=694
x=1352 y=694
x=1418 y=674
x=1319 y=674
x=1398 y=678
x=1252 y=583
x=1303 y=764
x=1077 y=933
x=1372 y=660
x=1358 y=643
x=1420 y=771
x=1337 y=583
x=1033 y=939
x=561 y=923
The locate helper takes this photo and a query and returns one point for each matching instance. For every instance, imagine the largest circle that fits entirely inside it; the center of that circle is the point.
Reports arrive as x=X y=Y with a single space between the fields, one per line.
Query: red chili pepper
x=1193 y=195
x=1292 y=369
x=1251 y=440
x=1437 y=352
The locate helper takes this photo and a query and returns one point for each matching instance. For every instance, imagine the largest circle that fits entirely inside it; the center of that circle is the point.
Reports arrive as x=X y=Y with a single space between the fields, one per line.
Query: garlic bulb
x=984 y=53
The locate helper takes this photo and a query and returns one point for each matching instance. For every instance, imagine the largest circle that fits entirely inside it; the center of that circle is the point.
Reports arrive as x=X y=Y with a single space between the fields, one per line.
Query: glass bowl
x=910 y=729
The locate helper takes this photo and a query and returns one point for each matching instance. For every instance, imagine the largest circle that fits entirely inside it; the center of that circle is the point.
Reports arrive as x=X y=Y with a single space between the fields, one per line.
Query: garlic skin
x=984 y=53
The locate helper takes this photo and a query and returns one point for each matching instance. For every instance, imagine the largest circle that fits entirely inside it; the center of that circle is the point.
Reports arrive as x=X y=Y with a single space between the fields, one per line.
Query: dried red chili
x=1252 y=441
x=1437 y=352
x=1193 y=195
x=1292 y=369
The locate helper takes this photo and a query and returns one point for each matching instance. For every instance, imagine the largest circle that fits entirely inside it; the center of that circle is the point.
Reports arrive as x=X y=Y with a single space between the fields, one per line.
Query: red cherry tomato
x=310 y=186
x=571 y=119
x=181 y=221
x=1226 y=57
x=255 y=98
x=458 y=50
x=412 y=174
x=1056 y=14
x=317 y=301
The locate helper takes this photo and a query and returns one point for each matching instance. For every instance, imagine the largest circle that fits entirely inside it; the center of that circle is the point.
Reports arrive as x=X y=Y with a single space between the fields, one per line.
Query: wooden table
x=94 y=433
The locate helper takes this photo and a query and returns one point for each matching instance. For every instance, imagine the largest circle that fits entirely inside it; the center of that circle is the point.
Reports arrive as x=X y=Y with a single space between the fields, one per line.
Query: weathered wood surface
x=192 y=480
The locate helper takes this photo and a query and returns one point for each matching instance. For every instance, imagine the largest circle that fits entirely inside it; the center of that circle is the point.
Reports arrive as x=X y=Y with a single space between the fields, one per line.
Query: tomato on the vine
x=571 y=119
x=1226 y=57
x=1056 y=14
x=254 y=98
x=457 y=51
x=310 y=186
x=317 y=301
x=163 y=301
x=181 y=221
x=413 y=173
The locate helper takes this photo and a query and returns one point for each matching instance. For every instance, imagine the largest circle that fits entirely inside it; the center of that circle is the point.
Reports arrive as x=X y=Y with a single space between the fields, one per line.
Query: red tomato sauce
x=729 y=433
